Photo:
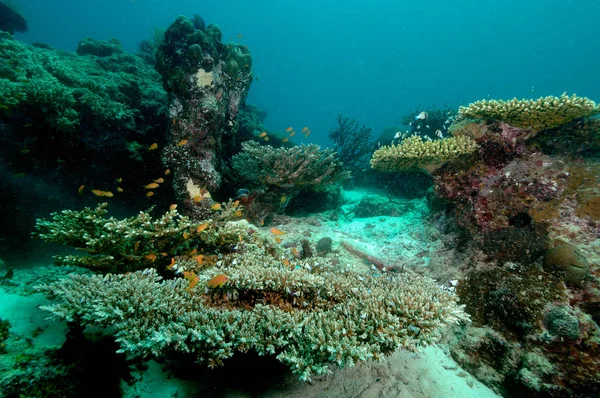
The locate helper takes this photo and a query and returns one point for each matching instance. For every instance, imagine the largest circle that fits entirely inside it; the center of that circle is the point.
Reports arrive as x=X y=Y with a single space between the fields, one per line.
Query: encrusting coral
x=535 y=115
x=307 y=313
x=415 y=151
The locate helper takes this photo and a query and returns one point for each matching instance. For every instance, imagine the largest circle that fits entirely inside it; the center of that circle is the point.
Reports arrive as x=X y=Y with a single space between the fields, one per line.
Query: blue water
x=372 y=60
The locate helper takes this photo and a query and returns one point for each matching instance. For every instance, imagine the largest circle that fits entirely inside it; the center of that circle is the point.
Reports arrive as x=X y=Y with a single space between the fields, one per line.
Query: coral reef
x=534 y=115
x=307 y=313
x=277 y=175
x=415 y=151
x=207 y=83
x=138 y=242
x=288 y=169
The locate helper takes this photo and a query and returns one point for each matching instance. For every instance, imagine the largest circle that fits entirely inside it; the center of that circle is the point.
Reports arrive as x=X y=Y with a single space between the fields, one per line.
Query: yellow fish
x=151 y=257
x=238 y=213
x=186 y=235
x=293 y=133
x=276 y=231
x=149 y=194
x=153 y=147
x=159 y=180
x=198 y=198
x=202 y=227
x=173 y=207
x=285 y=139
x=304 y=129
x=216 y=206
x=182 y=142
x=286 y=262
x=266 y=138
x=277 y=240
x=167 y=172
x=263 y=134
x=307 y=134
x=288 y=129
x=119 y=189
x=151 y=186
x=81 y=189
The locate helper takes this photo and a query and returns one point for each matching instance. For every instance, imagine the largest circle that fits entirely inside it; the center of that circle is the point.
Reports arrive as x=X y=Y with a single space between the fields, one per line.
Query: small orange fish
x=286 y=262
x=182 y=142
x=307 y=134
x=170 y=266
x=119 y=189
x=153 y=147
x=199 y=258
x=266 y=138
x=149 y=194
x=217 y=281
x=295 y=252
x=262 y=222
x=277 y=240
x=136 y=246
x=293 y=133
x=198 y=198
x=276 y=231
x=289 y=129
x=304 y=129
x=238 y=213
x=159 y=180
x=285 y=139
x=151 y=186
x=193 y=282
x=151 y=257
x=98 y=192
x=119 y=180
x=263 y=134
x=186 y=235
x=236 y=203
x=167 y=172
x=193 y=252
x=202 y=227
x=163 y=254
x=216 y=206
x=174 y=121
x=173 y=207
x=81 y=189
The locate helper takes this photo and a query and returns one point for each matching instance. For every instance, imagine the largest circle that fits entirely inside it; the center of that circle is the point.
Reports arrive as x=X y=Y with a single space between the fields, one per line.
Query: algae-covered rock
x=568 y=260
x=561 y=323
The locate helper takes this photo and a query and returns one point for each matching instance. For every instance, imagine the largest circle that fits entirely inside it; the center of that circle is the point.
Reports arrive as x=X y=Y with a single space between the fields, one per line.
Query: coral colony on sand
x=243 y=293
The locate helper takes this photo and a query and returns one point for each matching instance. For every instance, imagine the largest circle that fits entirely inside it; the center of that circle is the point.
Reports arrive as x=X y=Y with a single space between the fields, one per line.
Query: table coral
x=308 y=316
x=535 y=115
x=416 y=151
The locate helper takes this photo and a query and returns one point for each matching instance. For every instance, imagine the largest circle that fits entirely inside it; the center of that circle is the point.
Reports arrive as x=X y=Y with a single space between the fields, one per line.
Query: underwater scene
x=299 y=199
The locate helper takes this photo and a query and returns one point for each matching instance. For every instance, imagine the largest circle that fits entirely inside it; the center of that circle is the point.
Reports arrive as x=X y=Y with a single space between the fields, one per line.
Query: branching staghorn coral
x=288 y=169
x=535 y=115
x=307 y=313
x=136 y=242
x=415 y=151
